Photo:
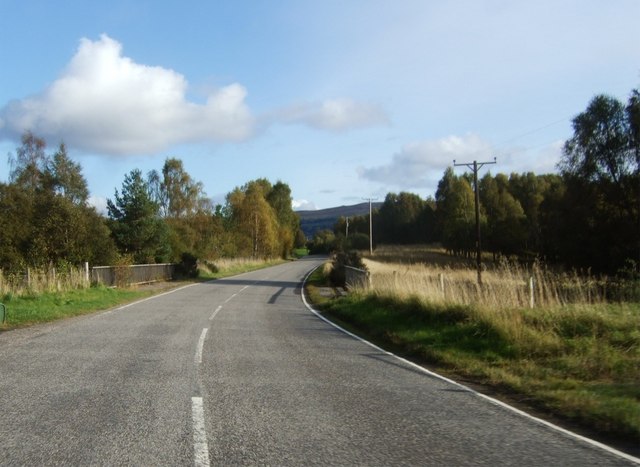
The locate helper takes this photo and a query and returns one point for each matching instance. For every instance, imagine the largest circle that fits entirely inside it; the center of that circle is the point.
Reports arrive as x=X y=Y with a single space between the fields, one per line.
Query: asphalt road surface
x=239 y=372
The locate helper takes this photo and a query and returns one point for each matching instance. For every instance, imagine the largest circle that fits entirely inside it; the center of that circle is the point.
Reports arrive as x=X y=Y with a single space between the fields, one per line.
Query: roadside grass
x=28 y=309
x=225 y=267
x=34 y=281
x=43 y=302
x=583 y=365
x=580 y=362
x=300 y=252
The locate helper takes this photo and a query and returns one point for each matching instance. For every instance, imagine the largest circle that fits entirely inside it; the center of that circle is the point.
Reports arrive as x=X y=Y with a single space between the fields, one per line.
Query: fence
x=112 y=276
x=356 y=278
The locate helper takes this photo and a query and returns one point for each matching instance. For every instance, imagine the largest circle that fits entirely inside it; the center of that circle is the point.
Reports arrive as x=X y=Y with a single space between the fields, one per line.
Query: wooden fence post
x=531 y=293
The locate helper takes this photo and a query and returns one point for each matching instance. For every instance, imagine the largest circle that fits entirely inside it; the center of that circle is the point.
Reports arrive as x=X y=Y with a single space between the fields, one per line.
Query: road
x=239 y=372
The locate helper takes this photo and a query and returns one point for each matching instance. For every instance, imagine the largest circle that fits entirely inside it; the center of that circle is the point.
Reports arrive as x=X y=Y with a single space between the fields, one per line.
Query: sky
x=342 y=100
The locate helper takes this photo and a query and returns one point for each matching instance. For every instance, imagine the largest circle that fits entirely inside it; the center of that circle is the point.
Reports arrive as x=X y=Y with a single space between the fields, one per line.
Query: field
x=568 y=352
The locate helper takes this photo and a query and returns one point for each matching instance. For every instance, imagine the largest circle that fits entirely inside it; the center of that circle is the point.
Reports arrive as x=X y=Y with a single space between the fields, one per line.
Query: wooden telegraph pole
x=370 y=226
x=475 y=166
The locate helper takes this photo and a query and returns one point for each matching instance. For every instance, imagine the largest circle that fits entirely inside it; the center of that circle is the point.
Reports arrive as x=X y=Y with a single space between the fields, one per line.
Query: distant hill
x=319 y=219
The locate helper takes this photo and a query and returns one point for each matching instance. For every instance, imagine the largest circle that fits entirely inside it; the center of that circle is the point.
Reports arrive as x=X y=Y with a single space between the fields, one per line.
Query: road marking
x=243 y=288
x=213 y=315
x=200 y=446
x=148 y=298
x=198 y=358
x=228 y=299
x=571 y=434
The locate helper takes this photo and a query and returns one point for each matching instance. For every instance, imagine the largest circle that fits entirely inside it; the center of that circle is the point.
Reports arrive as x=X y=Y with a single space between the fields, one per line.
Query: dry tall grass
x=38 y=281
x=506 y=285
x=223 y=267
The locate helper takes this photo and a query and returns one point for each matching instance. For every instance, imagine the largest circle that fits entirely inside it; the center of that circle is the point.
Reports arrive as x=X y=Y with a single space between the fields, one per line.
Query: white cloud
x=340 y=114
x=107 y=103
x=417 y=165
x=303 y=205
x=540 y=160
x=100 y=203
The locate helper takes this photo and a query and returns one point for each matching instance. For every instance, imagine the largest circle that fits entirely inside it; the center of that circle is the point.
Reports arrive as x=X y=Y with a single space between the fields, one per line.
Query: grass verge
x=231 y=267
x=580 y=364
x=41 y=308
x=32 y=308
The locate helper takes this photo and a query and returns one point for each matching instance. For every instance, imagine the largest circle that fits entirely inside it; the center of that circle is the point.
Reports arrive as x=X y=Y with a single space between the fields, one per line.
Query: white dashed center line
x=198 y=358
x=200 y=446
x=213 y=315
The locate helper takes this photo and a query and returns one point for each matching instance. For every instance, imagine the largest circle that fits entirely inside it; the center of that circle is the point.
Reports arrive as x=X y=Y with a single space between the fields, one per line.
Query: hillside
x=313 y=221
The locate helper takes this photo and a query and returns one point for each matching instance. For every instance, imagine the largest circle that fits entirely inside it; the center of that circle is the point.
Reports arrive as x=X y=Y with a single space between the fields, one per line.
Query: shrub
x=340 y=260
x=188 y=265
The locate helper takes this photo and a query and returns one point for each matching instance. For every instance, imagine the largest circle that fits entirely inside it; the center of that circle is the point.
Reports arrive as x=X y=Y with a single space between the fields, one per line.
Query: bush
x=358 y=241
x=340 y=260
x=212 y=267
x=188 y=265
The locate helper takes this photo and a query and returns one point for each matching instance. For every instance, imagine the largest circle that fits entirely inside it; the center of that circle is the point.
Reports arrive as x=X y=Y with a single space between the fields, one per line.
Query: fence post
x=28 y=278
x=86 y=272
x=441 y=279
x=531 y=293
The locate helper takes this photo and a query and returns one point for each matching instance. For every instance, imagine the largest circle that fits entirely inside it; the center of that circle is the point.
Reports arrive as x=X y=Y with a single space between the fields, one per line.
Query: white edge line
x=149 y=298
x=200 y=446
x=228 y=299
x=198 y=358
x=584 y=439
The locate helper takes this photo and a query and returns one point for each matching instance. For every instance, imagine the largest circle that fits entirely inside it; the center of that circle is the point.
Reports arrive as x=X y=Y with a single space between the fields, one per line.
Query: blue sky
x=342 y=100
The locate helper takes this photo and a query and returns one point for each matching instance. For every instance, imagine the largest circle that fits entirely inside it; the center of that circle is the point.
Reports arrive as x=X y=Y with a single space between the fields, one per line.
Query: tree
x=505 y=231
x=279 y=198
x=16 y=225
x=44 y=216
x=324 y=241
x=30 y=163
x=64 y=232
x=66 y=179
x=402 y=219
x=135 y=223
x=601 y=170
x=455 y=210
x=253 y=220
x=176 y=192
x=633 y=117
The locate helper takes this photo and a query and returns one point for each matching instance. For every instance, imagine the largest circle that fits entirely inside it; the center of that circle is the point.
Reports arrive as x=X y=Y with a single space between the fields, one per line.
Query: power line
x=535 y=130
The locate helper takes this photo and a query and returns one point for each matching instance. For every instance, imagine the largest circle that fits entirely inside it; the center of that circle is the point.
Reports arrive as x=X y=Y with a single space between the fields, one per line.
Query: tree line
x=586 y=216
x=163 y=216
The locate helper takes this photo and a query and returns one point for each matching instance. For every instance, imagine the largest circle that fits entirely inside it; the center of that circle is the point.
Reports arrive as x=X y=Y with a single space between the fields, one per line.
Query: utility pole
x=475 y=166
x=370 y=226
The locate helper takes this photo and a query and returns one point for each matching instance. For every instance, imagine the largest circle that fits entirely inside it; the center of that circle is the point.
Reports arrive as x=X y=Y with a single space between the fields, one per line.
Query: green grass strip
x=45 y=307
x=582 y=365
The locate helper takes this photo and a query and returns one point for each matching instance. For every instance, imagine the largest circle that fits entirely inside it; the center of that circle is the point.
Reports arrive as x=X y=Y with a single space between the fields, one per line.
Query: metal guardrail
x=113 y=276
x=356 y=278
